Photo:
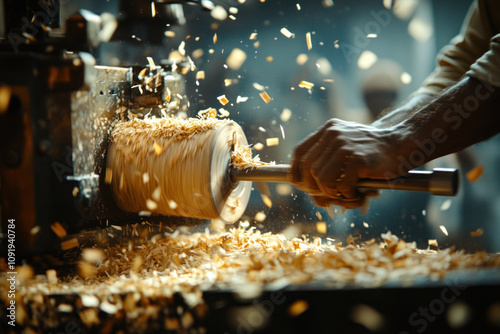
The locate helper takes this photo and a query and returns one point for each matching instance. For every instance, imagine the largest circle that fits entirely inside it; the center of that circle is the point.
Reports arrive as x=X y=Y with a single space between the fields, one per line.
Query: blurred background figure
x=380 y=87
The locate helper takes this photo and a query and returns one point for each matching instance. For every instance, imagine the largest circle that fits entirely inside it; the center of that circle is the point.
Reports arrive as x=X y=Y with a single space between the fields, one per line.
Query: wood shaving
x=260 y=217
x=309 y=41
x=241 y=99
x=321 y=227
x=241 y=158
x=265 y=97
x=474 y=174
x=59 y=230
x=433 y=242
x=258 y=146
x=219 y=13
x=151 y=205
x=445 y=205
x=327 y=3
x=272 y=141
x=151 y=62
x=477 y=233
x=223 y=112
x=200 y=75
x=297 y=308
x=223 y=100
x=286 y=32
x=284 y=189
x=236 y=59
x=282 y=132
x=286 y=114
x=158 y=149
x=35 y=229
x=71 y=243
x=302 y=59
x=93 y=255
x=86 y=270
x=198 y=53
x=306 y=84
x=51 y=276
x=258 y=86
x=267 y=201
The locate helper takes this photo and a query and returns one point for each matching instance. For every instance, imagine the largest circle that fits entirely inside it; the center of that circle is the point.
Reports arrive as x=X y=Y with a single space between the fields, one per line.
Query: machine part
x=86 y=30
x=439 y=181
x=116 y=94
x=229 y=200
x=152 y=166
x=146 y=19
x=37 y=157
x=160 y=91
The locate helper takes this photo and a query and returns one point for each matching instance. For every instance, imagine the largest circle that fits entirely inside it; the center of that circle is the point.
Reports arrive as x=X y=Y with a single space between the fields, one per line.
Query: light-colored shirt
x=474 y=52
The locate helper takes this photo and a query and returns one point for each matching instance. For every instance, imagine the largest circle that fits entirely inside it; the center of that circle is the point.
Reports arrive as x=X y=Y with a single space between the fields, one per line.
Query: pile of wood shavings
x=244 y=261
x=181 y=129
x=247 y=256
x=225 y=260
x=176 y=128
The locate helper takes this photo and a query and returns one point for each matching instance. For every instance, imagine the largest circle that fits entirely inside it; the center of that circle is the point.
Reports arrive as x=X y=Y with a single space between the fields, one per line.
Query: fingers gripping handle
x=439 y=181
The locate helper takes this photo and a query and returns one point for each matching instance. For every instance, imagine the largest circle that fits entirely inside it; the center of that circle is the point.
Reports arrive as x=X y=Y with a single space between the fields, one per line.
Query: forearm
x=463 y=115
x=403 y=112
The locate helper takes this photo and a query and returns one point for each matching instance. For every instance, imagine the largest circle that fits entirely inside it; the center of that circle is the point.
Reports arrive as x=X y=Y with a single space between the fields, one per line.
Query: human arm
x=404 y=111
x=453 y=60
x=329 y=162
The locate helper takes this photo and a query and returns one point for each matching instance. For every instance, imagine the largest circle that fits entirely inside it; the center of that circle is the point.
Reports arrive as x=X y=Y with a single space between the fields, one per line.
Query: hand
x=330 y=161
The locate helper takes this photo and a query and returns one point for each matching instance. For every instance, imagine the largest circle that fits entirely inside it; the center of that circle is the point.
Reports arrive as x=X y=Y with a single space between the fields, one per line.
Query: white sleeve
x=455 y=59
x=487 y=68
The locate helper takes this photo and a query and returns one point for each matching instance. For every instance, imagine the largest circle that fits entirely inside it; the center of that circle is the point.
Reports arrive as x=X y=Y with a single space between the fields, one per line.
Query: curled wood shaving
x=241 y=158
